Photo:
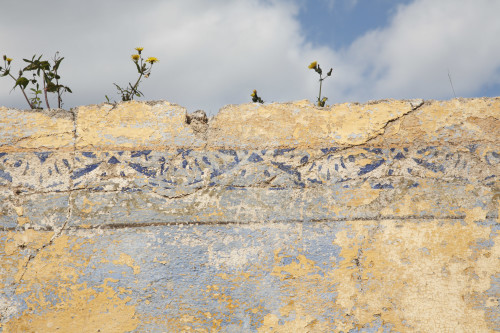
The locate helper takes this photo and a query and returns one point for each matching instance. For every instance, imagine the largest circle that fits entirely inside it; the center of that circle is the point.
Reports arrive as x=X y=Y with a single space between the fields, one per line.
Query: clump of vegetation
x=314 y=65
x=256 y=98
x=143 y=69
x=42 y=69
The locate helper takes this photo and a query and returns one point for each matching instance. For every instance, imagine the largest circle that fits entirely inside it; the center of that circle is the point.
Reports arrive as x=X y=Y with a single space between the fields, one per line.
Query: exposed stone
x=199 y=123
x=268 y=218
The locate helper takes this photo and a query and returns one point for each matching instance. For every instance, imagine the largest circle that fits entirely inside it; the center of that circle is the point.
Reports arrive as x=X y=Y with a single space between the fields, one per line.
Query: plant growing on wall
x=43 y=69
x=143 y=69
x=256 y=98
x=314 y=65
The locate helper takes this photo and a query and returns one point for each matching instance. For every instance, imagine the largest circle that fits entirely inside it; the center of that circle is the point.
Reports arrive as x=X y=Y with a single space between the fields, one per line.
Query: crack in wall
x=378 y=218
x=57 y=233
x=415 y=105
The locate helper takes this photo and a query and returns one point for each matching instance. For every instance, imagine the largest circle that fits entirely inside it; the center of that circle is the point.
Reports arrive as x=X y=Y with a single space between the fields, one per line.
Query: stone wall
x=267 y=218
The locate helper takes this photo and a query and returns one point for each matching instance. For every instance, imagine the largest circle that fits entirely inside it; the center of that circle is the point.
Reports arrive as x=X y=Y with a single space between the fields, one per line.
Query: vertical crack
x=57 y=233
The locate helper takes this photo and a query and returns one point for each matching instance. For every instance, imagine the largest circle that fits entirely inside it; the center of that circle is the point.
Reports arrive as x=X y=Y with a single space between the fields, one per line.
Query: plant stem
x=134 y=88
x=45 y=91
x=320 y=84
x=24 y=93
x=59 y=99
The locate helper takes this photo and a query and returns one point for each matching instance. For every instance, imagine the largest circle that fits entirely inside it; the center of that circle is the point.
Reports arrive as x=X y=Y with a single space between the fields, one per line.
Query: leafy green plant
x=256 y=98
x=41 y=69
x=314 y=65
x=143 y=69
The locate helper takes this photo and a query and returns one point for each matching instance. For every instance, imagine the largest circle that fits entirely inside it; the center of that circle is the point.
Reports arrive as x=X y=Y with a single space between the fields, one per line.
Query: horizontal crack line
x=125 y=225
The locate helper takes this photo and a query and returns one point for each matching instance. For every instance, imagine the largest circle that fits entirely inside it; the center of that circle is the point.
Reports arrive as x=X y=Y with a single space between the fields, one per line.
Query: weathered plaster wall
x=276 y=218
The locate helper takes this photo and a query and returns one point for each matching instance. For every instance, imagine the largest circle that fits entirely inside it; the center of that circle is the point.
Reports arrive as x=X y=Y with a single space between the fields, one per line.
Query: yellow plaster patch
x=83 y=310
x=19 y=210
x=34 y=130
x=410 y=205
x=87 y=205
x=302 y=124
x=127 y=260
x=363 y=196
x=475 y=119
x=55 y=300
x=475 y=214
x=302 y=322
x=412 y=274
x=295 y=269
x=363 y=161
x=22 y=220
x=133 y=124
x=469 y=187
x=29 y=238
x=164 y=262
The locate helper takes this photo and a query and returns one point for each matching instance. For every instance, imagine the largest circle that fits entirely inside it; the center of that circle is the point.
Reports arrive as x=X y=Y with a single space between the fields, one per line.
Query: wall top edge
x=154 y=124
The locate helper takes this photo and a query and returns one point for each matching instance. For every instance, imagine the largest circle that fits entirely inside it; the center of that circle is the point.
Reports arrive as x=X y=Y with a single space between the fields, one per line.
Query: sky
x=214 y=53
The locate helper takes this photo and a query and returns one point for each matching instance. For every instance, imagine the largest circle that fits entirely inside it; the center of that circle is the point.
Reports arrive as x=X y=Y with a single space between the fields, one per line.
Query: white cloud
x=211 y=53
x=214 y=53
x=411 y=57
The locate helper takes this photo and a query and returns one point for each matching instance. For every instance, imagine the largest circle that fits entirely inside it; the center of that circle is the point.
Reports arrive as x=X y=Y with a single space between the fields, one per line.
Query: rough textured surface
x=381 y=217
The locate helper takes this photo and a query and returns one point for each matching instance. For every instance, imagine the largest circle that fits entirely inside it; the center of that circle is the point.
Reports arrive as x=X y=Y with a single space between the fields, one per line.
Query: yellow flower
x=8 y=60
x=152 y=60
x=135 y=57
x=254 y=93
x=313 y=65
x=139 y=49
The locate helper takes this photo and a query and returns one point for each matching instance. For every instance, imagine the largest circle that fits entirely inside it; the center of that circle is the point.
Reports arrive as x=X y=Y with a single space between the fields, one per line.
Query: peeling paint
x=376 y=217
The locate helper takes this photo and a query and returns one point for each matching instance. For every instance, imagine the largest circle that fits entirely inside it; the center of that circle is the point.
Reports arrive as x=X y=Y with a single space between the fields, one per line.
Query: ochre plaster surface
x=137 y=217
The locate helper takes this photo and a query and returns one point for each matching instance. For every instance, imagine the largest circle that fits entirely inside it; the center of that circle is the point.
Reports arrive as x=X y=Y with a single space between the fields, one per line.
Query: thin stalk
x=24 y=93
x=320 y=84
x=59 y=99
x=449 y=76
x=45 y=91
x=134 y=88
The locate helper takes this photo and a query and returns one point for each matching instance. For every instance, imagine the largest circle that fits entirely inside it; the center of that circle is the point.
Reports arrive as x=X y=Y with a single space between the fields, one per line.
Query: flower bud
x=313 y=65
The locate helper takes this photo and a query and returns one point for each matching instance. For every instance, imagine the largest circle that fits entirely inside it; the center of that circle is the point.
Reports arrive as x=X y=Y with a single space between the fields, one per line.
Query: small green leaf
x=51 y=87
x=57 y=63
x=22 y=81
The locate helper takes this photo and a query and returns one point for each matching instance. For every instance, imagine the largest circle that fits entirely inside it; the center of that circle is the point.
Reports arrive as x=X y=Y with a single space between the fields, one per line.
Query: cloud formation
x=411 y=57
x=214 y=53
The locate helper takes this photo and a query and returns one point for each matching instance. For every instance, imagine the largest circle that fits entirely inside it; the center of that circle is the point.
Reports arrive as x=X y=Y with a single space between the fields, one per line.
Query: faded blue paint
x=89 y=154
x=428 y=165
x=143 y=170
x=5 y=175
x=254 y=158
x=43 y=156
x=113 y=160
x=83 y=171
x=370 y=167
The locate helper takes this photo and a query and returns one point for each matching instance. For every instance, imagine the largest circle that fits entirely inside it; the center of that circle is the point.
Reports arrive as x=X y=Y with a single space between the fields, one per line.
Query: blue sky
x=214 y=53
x=339 y=23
